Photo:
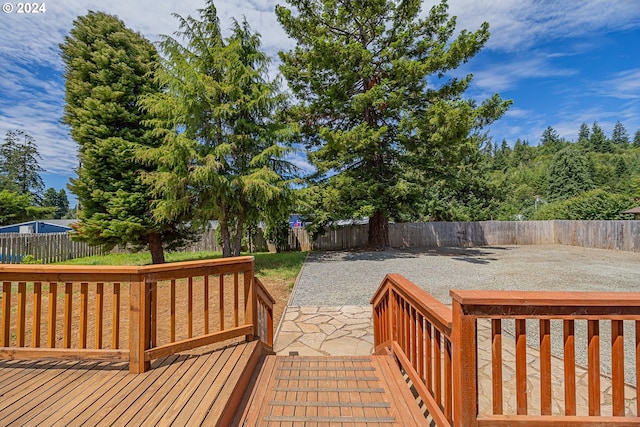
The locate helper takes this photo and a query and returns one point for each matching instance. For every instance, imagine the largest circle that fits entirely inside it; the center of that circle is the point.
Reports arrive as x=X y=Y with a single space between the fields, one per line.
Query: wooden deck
x=179 y=390
x=331 y=391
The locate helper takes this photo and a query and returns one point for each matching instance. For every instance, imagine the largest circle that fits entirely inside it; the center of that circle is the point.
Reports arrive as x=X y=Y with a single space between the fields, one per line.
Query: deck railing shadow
x=130 y=313
x=438 y=347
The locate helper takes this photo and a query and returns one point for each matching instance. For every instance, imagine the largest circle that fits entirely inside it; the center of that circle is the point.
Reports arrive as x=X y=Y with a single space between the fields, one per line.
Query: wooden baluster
x=206 y=304
x=22 y=315
x=617 y=367
x=190 y=308
x=413 y=353
x=154 y=314
x=84 y=301
x=173 y=310
x=236 y=312
x=53 y=308
x=68 y=306
x=437 y=366
x=37 y=313
x=496 y=365
x=99 y=314
x=569 y=368
x=421 y=346
x=221 y=301
x=6 y=315
x=594 y=366
x=115 y=334
x=521 y=366
x=428 y=357
x=545 y=367
x=448 y=387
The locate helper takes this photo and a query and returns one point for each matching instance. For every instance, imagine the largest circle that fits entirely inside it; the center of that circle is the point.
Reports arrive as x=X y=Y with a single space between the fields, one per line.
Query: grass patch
x=280 y=266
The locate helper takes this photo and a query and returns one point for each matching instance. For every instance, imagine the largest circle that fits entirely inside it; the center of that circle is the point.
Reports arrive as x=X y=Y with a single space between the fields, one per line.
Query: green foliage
x=30 y=259
x=13 y=207
x=382 y=119
x=57 y=200
x=277 y=232
x=19 y=167
x=222 y=152
x=592 y=205
x=108 y=67
x=569 y=174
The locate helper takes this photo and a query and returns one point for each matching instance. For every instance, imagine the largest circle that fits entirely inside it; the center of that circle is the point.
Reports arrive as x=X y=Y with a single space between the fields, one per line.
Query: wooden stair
x=330 y=391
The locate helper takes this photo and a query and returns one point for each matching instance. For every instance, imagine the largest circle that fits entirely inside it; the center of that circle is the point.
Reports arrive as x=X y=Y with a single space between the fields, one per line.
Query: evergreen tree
x=378 y=129
x=550 y=141
x=598 y=140
x=636 y=139
x=221 y=154
x=569 y=174
x=57 y=200
x=19 y=165
x=620 y=136
x=583 y=134
x=107 y=68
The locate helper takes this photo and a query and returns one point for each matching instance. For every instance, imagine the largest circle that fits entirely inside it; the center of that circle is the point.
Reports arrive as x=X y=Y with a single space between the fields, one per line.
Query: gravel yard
x=351 y=278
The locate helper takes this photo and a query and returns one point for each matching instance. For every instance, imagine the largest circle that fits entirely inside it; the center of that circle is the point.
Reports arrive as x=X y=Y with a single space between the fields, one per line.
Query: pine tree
x=583 y=133
x=550 y=141
x=569 y=174
x=636 y=139
x=221 y=155
x=108 y=67
x=598 y=140
x=57 y=200
x=377 y=129
x=19 y=165
x=620 y=136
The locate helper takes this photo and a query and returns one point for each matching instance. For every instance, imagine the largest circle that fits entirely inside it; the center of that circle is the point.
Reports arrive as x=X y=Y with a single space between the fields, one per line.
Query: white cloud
x=624 y=85
x=520 y=24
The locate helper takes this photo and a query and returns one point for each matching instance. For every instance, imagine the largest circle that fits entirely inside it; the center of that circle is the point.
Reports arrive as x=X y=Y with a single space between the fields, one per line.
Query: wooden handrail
x=90 y=297
x=416 y=328
x=422 y=334
x=567 y=308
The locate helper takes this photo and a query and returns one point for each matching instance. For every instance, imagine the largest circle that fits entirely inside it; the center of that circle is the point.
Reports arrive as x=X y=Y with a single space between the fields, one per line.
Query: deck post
x=465 y=378
x=139 y=323
x=250 y=302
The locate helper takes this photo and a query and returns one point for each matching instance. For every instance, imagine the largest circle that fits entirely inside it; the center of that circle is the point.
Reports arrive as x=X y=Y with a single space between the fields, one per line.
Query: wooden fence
x=621 y=235
x=45 y=248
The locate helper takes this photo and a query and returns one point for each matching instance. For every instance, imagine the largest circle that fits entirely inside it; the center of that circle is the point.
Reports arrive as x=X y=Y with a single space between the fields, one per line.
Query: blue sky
x=562 y=63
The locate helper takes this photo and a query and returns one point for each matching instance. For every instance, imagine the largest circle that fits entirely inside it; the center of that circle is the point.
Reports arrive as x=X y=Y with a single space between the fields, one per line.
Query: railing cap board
x=544 y=298
x=425 y=303
x=62 y=272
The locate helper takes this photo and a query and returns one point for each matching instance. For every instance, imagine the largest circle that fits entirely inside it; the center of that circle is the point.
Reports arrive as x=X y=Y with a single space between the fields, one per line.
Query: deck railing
x=95 y=311
x=417 y=329
x=410 y=323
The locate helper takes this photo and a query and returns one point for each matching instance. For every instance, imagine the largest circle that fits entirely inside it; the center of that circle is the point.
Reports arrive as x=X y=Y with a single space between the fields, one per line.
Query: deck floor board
x=92 y=393
x=331 y=391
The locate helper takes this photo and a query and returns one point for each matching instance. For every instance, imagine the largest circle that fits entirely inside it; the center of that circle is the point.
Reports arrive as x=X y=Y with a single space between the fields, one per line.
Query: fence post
x=465 y=378
x=139 y=323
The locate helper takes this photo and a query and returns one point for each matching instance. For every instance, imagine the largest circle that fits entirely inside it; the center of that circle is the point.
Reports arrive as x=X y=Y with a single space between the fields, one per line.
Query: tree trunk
x=226 y=236
x=378 y=231
x=155 y=246
x=238 y=238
